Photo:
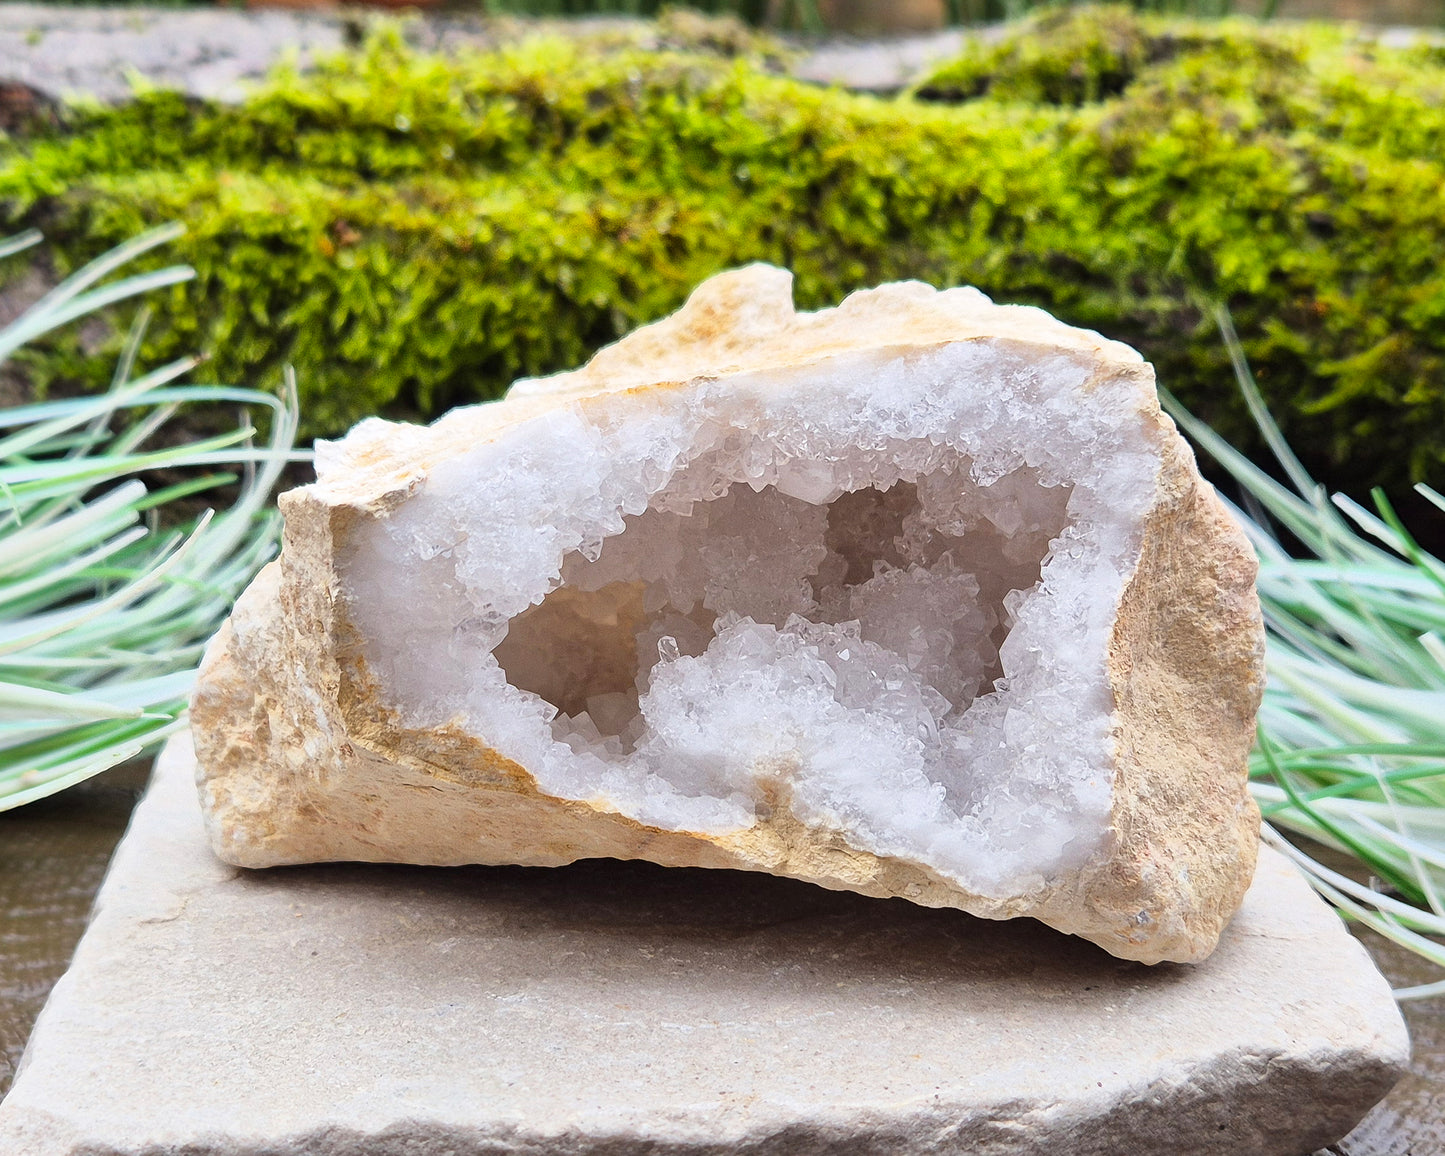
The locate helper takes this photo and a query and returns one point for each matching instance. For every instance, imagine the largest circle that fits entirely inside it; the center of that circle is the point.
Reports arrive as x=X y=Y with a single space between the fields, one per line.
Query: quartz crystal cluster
x=921 y=596
x=844 y=637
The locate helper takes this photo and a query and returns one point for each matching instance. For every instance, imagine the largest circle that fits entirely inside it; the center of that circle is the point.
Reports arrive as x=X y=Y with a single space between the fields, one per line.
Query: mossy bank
x=414 y=231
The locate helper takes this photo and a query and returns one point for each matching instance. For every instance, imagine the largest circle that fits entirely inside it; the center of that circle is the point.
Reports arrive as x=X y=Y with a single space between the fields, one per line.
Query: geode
x=920 y=596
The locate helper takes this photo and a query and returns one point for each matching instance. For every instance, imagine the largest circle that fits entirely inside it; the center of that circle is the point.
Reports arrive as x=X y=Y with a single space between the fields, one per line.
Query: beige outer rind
x=299 y=760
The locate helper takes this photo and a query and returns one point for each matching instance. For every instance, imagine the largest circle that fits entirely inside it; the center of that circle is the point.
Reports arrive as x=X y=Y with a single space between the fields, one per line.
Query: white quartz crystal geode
x=920 y=596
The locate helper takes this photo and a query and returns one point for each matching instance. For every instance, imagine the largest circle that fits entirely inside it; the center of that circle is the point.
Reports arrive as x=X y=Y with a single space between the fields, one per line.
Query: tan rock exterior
x=299 y=760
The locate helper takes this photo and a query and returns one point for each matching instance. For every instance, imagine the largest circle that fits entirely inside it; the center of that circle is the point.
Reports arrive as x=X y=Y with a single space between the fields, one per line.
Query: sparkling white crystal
x=892 y=610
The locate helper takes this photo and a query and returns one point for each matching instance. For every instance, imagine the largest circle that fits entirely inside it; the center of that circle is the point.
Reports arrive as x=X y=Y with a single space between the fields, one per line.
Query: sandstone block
x=614 y=1008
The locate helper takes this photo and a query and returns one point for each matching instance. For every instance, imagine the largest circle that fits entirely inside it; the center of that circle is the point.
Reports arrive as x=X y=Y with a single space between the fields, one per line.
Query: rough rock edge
x=299 y=762
x=1241 y=1102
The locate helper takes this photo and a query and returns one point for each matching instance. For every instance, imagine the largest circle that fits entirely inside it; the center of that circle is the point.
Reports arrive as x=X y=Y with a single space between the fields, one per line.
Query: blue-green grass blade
x=102 y=620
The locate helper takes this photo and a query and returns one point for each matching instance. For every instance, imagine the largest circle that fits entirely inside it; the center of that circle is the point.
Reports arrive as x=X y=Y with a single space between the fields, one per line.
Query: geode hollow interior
x=920 y=596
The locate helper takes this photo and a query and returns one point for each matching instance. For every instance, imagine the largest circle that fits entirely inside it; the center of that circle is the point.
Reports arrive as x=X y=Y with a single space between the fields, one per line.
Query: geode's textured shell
x=305 y=754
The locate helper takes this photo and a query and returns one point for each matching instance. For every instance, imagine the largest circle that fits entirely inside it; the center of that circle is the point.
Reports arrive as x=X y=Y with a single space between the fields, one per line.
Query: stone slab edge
x=110 y=1072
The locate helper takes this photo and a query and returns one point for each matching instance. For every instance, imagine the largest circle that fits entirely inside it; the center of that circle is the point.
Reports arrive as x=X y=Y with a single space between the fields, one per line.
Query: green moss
x=1070 y=57
x=413 y=232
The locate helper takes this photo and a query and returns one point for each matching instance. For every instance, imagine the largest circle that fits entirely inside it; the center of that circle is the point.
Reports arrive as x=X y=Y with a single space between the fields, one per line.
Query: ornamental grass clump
x=1351 y=743
x=104 y=607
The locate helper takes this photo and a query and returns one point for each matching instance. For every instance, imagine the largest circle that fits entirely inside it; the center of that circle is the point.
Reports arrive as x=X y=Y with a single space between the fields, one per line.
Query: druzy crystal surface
x=894 y=607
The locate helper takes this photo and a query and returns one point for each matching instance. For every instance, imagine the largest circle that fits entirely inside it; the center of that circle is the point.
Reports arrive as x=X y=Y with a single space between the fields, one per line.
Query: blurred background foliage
x=873 y=16
x=414 y=230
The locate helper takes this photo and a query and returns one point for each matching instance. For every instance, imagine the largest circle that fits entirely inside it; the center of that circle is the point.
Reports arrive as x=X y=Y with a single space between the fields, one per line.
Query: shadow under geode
x=728 y=923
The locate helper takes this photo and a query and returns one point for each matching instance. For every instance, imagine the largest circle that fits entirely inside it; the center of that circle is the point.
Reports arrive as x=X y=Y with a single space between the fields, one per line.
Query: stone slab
x=213 y=53
x=611 y=1008
x=68 y=51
